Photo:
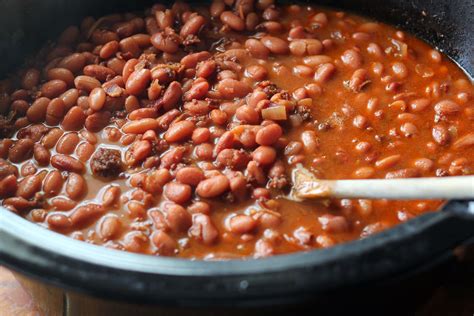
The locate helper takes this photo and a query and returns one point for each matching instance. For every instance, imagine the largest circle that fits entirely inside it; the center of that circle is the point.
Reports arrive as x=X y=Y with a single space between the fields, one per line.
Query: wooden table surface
x=453 y=294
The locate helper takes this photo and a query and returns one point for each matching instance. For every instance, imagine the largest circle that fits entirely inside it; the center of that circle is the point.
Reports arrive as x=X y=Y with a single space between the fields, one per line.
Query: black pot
x=78 y=266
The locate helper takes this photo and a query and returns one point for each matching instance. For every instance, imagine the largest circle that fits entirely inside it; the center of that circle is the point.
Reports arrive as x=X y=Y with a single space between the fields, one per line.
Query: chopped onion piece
x=276 y=113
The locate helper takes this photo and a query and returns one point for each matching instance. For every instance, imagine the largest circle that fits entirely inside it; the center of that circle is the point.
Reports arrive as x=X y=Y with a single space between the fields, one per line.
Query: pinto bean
x=177 y=218
x=165 y=244
x=203 y=229
x=264 y=155
x=29 y=186
x=190 y=175
x=21 y=150
x=232 y=20
x=276 y=45
x=231 y=88
x=177 y=192
x=213 y=187
x=192 y=26
x=74 y=119
x=76 y=186
x=67 y=163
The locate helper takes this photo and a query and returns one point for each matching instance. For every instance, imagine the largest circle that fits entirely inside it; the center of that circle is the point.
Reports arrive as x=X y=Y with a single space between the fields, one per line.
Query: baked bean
x=76 y=186
x=216 y=8
x=67 y=143
x=364 y=172
x=352 y=58
x=324 y=72
x=140 y=126
x=310 y=141
x=165 y=244
x=166 y=43
x=403 y=173
x=62 y=74
x=97 y=121
x=441 y=134
x=199 y=207
x=177 y=218
x=247 y=114
x=74 y=62
x=275 y=45
x=172 y=95
x=67 y=163
x=51 y=138
x=36 y=113
x=203 y=229
x=41 y=154
x=59 y=221
x=29 y=186
x=192 y=26
x=204 y=151
x=269 y=135
x=446 y=107
x=190 y=175
x=230 y=88
x=213 y=187
x=257 y=49
x=334 y=224
x=109 y=49
x=177 y=192
x=232 y=20
x=109 y=227
x=387 y=162
x=111 y=196
x=74 y=119
x=53 y=183
x=241 y=224
x=21 y=150
x=464 y=141
x=400 y=70
x=264 y=155
x=256 y=72
x=424 y=164
x=86 y=214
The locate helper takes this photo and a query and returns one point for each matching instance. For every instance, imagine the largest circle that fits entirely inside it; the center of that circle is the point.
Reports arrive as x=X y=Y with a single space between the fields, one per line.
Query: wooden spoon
x=307 y=186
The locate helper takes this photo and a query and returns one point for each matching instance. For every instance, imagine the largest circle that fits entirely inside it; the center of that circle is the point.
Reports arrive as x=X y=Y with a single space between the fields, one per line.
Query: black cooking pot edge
x=95 y=270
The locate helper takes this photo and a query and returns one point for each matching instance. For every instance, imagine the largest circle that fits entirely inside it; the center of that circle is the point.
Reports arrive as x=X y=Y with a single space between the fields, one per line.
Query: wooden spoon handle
x=306 y=186
x=460 y=187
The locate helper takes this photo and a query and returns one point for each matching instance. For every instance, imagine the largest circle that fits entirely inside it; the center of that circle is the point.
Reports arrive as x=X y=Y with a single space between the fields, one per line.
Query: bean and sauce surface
x=173 y=131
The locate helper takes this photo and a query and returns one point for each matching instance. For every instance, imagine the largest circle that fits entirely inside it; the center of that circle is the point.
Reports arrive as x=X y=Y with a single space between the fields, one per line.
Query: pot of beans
x=146 y=148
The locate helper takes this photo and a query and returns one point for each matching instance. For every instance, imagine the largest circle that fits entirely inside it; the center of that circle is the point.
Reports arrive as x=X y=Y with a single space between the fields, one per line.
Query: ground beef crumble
x=106 y=163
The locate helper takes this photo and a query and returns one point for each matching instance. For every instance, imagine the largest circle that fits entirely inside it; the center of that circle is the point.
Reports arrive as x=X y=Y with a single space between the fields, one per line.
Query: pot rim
x=41 y=238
